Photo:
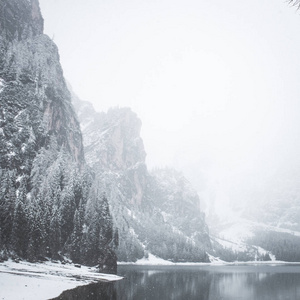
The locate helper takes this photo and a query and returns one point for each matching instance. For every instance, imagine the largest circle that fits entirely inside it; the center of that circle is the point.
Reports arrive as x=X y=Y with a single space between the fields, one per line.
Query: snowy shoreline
x=35 y=281
x=153 y=260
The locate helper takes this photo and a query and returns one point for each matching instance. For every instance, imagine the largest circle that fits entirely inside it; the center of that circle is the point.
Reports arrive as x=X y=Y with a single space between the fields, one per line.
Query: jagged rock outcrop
x=48 y=195
x=123 y=147
x=154 y=213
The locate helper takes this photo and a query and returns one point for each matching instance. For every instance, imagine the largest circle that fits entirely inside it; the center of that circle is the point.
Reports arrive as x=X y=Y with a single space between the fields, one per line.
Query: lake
x=247 y=282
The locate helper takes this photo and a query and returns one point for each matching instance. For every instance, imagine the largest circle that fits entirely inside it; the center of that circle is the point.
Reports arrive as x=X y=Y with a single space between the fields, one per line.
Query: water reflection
x=165 y=283
x=201 y=283
x=94 y=291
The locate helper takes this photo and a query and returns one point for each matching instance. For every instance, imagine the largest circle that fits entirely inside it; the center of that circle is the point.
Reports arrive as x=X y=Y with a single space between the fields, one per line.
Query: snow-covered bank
x=153 y=260
x=47 y=280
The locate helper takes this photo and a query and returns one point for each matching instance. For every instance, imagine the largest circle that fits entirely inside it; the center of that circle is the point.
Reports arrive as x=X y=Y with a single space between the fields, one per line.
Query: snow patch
x=234 y=246
x=11 y=154
x=23 y=148
x=238 y=232
x=153 y=260
x=166 y=216
x=130 y=213
x=150 y=261
x=19 y=178
x=215 y=260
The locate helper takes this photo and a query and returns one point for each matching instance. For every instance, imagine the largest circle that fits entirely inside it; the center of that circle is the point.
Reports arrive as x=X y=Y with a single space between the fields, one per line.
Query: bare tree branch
x=295 y=3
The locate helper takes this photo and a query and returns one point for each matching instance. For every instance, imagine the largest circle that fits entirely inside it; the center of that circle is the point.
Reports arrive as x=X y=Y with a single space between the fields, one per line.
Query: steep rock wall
x=152 y=213
x=50 y=201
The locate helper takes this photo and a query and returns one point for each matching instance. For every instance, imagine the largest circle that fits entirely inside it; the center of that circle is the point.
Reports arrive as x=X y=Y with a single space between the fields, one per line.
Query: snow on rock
x=28 y=281
x=2 y=84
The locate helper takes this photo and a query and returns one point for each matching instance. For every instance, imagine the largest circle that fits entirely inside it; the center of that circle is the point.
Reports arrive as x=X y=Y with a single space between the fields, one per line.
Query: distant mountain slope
x=50 y=204
x=264 y=212
x=258 y=221
x=154 y=212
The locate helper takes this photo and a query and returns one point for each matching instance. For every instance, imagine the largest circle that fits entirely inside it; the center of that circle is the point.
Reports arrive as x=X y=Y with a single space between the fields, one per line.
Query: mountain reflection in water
x=191 y=282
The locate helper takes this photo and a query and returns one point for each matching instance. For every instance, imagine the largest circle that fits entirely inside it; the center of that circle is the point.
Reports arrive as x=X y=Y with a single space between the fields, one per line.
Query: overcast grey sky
x=215 y=83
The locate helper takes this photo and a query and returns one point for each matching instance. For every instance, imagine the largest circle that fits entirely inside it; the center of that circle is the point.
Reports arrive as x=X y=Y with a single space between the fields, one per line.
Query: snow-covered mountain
x=50 y=203
x=260 y=211
x=155 y=212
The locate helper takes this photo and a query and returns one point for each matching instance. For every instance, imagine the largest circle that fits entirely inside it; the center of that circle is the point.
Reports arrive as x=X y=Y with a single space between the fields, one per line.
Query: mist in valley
x=215 y=85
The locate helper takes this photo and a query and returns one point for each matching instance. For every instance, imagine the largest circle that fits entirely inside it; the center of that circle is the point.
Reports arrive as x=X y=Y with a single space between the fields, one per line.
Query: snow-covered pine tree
x=20 y=227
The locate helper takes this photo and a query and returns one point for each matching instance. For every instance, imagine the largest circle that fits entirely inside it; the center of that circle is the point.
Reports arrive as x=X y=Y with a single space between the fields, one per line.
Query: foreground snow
x=30 y=281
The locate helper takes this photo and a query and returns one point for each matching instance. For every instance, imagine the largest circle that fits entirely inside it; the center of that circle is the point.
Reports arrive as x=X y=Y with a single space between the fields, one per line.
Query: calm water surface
x=255 y=282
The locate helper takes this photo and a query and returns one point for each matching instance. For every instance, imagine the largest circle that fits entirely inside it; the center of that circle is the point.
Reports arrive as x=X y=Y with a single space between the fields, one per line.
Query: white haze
x=215 y=83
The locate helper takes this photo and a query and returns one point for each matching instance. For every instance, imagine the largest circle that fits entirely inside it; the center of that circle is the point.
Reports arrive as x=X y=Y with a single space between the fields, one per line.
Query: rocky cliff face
x=154 y=213
x=32 y=77
x=123 y=147
x=20 y=19
x=48 y=196
x=179 y=204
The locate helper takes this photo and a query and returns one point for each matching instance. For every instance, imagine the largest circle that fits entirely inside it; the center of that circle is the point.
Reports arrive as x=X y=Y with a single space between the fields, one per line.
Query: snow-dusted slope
x=154 y=212
x=261 y=212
